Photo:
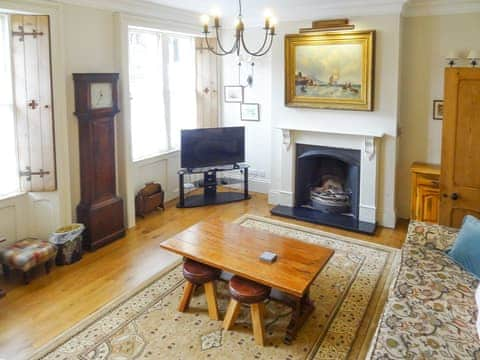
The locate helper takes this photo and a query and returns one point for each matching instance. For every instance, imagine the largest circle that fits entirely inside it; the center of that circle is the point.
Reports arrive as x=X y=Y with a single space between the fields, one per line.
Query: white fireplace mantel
x=376 y=134
x=365 y=141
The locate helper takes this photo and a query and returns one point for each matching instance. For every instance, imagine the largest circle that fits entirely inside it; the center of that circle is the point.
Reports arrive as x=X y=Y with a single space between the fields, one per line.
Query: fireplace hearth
x=327 y=188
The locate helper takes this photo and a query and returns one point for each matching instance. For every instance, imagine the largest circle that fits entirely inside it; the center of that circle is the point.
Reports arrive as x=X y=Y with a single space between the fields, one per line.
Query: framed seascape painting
x=330 y=71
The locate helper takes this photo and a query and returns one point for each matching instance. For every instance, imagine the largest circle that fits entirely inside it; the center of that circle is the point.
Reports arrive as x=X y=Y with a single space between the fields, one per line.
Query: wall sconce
x=451 y=58
x=473 y=56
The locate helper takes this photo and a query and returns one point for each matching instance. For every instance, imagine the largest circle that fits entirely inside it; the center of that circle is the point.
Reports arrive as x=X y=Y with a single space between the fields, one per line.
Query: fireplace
x=327 y=188
x=328 y=179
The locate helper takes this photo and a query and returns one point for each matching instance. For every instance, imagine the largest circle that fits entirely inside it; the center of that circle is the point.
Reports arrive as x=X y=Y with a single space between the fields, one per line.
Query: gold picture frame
x=330 y=70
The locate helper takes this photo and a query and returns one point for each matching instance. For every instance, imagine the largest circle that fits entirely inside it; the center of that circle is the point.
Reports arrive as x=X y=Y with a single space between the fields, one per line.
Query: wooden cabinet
x=425 y=196
x=460 y=181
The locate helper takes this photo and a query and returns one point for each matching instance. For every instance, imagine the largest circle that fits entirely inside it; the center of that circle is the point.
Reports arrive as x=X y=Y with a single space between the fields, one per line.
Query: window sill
x=12 y=196
x=154 y=159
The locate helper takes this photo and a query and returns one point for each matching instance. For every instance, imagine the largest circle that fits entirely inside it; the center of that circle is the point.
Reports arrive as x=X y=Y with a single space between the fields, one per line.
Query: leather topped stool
x=245 y=291
x=198 y=274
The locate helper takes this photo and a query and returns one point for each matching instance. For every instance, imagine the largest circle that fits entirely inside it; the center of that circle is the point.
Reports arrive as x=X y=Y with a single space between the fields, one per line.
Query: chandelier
x=239 y=42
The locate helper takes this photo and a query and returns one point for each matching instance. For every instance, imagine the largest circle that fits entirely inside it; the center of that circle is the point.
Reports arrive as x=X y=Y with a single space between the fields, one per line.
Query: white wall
x=426 y=42
x=90 y=49
x=159 y=169
x=414 y=47
x=383 y=119
x=258 y=134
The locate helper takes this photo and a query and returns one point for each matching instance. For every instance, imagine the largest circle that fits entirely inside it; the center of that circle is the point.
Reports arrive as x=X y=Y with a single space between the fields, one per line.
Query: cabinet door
x=460 y=178
x=428 y=203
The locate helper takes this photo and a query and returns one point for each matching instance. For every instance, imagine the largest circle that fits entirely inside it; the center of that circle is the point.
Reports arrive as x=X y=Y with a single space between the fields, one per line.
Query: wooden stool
x=198 y=274
x=244 y=291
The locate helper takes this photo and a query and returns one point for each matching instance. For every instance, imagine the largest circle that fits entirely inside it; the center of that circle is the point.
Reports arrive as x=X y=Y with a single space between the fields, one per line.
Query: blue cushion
x=466 y=249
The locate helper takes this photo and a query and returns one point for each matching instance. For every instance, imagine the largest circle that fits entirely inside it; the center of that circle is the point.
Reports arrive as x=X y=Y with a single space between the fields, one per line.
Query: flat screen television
x=212 y=147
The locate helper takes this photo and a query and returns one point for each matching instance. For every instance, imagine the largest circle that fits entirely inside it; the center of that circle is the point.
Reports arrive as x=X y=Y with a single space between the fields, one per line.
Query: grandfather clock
x=100 y=209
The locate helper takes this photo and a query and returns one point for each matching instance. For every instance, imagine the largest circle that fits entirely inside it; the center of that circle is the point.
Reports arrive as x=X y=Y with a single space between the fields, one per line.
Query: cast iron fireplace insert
x=327 y=188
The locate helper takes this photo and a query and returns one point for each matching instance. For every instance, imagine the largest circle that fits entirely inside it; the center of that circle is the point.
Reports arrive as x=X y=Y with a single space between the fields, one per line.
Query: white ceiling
x=286 y=10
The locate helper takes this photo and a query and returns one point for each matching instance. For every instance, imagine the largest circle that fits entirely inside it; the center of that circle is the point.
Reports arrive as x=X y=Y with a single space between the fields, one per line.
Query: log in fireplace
x=327 y=188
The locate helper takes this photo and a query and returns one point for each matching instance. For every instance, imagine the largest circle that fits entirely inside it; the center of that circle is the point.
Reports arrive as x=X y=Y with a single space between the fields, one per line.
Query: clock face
x=101 y=95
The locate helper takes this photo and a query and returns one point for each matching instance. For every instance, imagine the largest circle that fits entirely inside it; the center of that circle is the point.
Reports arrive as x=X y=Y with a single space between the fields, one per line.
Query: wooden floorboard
x=32 y=315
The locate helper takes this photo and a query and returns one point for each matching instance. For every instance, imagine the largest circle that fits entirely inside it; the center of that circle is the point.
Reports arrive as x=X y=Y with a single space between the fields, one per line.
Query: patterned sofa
x=431 y=310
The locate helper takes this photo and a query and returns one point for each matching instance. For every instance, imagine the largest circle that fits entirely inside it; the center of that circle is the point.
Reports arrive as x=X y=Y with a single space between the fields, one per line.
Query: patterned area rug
x=349 y=295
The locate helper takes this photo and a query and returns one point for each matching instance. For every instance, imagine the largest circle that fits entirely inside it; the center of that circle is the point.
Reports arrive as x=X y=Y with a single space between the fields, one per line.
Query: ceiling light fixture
x=239 y=42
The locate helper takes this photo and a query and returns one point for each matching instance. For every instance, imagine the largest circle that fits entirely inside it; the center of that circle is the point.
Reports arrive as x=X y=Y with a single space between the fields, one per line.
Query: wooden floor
x=32 y=315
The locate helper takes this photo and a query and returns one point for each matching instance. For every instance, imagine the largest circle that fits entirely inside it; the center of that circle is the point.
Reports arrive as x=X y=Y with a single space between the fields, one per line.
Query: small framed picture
x=250 y=112
x=437 y=109
x=233 y=93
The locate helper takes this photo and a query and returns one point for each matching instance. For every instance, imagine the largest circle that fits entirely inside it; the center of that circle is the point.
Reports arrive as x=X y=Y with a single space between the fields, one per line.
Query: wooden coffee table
x=236 y=249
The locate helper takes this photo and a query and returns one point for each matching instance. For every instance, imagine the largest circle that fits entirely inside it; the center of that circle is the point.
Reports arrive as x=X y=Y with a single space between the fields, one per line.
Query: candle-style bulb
x=205 y=19
x=273 y=23
x=216 y=17
x=268 y=16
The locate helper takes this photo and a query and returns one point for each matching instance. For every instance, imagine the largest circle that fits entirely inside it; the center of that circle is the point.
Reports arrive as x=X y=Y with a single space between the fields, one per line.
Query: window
x=181 y=81
x=162 y=90
x=9 y=182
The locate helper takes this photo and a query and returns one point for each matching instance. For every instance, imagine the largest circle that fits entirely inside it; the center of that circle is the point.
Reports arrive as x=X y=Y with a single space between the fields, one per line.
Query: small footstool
x=198 y=274
x=25 y=254
x=248 y=292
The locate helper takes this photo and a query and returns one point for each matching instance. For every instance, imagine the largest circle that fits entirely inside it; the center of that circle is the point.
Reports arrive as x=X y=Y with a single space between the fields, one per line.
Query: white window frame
x=8 y=46
x=186 y=23
x=166 y=35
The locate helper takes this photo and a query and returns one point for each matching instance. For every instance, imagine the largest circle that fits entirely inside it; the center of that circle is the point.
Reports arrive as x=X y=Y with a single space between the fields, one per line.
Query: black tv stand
x=209 y=183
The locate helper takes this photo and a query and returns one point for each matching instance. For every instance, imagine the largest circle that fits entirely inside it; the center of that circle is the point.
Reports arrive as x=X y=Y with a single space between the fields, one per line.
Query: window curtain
x=207 y=85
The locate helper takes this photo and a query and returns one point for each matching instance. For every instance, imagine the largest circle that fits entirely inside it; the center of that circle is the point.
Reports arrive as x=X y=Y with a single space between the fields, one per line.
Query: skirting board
x=387 y=218
x=256 y=185
x=279 y=197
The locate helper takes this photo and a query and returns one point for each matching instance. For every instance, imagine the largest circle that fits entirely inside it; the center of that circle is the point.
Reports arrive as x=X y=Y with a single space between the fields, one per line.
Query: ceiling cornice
x=342 y=9
x=139 y=7
x=325 y=10
x=440 y=7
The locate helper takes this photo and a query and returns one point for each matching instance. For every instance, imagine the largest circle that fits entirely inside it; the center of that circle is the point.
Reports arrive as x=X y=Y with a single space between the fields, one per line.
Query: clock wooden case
x=100 y=209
